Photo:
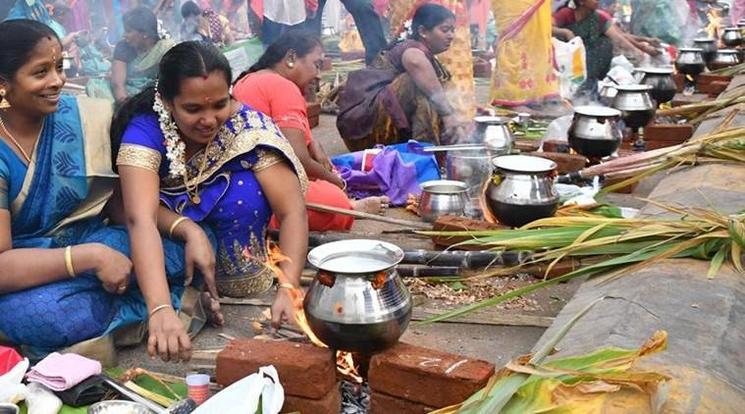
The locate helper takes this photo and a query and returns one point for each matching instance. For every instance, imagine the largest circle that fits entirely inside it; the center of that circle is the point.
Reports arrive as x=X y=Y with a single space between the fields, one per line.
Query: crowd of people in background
x=206 y=163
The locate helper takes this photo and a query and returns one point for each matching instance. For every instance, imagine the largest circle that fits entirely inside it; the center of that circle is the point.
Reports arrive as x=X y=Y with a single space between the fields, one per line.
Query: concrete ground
x=495 y=343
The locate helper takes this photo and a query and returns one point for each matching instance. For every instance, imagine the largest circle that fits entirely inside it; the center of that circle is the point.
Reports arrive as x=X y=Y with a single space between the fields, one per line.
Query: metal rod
x=121 y=389
x=455 y=147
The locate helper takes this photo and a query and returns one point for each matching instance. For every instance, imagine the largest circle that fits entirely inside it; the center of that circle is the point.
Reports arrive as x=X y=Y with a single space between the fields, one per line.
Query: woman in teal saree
x=136 y=58
x=65 y=276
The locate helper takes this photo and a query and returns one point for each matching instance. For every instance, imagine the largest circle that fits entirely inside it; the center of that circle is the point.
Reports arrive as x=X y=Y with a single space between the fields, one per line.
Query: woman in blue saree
x=65 y=276
x=188 y=145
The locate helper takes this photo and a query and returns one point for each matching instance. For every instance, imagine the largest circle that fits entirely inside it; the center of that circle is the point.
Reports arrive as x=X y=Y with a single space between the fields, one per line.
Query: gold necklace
x=14 y=141
x=193 y=192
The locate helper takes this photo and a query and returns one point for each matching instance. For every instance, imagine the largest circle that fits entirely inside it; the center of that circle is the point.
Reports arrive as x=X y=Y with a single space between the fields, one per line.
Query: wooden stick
x=238 y=301
x=368 y=216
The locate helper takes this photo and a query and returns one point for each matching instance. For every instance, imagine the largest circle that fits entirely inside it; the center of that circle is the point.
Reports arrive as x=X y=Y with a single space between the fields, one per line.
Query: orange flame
x=346 y=367
x=344 y=360
x=274 y=258
x=715 y=23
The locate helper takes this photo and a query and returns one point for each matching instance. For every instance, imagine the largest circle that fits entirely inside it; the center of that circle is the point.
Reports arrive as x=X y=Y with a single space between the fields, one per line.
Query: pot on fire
x=662 y=83
x=521 y=189
x=595 y=131
x=357 y=301
x=725 y=58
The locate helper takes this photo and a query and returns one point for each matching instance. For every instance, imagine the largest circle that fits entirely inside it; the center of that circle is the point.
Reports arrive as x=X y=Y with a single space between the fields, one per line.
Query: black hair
x=300 y=41
x=142 y=20
x=429 y=16
x=185 y=60
x=21 y=37
x=189 y=9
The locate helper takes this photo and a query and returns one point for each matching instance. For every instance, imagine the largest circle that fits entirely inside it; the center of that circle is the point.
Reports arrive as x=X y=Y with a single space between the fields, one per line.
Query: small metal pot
x=725 y=58
x=522 y=190
x=494 y=132
x=662 y=83
x=636 y=105
x=595 y=131
x=690 y=61
x=441 y=197
x=708 y=48
x=732 y=36
x=357 y=301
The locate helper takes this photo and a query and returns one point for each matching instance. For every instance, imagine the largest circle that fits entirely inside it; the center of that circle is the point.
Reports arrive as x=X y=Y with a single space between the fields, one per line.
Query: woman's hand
x=167 y=336
x=453 y=131
x=199 y=255
x=568 y=34
x=286 y=304
x=113 y=269
x=649 y=49
x=316 y=151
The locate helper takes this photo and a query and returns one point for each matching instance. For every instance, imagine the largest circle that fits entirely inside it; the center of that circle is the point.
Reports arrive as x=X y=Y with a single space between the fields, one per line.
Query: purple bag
x=394 y=171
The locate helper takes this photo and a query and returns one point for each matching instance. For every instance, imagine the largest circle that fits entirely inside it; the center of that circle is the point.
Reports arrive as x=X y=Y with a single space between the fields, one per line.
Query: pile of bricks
x=405 y=379
x=307 y=372
x=408 y=379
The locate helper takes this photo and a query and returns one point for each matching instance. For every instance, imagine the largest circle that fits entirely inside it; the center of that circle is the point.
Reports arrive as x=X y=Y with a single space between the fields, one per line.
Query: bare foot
x=212 y=308
x=372 y=205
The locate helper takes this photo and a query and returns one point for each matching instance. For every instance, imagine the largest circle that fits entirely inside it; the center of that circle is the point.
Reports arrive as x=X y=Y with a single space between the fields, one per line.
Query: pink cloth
x=738 y=11
x=61 y=372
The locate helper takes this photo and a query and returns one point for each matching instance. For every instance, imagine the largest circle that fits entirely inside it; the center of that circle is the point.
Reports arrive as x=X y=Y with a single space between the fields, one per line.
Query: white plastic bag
x=558 y=129
x=571 y=65
x=41 y=400
x=11 y=388
x=243 y=396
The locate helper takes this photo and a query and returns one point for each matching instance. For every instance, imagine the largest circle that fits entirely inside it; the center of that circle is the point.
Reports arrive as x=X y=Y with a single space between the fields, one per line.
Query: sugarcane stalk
x=428 y=271
x=464 y=259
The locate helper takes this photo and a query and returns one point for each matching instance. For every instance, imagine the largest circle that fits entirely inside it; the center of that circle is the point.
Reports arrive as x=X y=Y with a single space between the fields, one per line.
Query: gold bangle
x=287 y=286
x=175 y=224
x=68 y=261
x=158 y=308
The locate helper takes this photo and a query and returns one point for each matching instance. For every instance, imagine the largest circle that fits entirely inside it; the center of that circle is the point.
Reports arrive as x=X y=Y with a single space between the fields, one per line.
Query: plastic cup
x=197 y=386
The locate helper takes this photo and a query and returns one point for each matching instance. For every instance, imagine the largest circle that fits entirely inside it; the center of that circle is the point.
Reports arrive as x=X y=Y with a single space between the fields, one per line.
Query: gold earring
x=290 y=65
x=4 y=104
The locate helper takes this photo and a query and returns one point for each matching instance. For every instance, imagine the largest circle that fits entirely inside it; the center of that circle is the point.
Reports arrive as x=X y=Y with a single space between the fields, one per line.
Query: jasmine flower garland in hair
x=175 y=147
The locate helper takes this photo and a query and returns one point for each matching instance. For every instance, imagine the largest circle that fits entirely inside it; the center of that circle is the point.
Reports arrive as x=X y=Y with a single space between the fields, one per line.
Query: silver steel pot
x=725 y=58
x=708 y=48
x=357 y=301
x=522 y=190
x=732 y=36
x=662 y=83
x=636 y=105
x=595 y=131
x=494 y=133
x=690 y=61
x=441 y=197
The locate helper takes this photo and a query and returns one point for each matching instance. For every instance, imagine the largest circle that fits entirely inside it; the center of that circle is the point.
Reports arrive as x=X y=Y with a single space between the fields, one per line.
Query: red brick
x=385 y=404
x=713 y=88
x=565 y=163
x=426 y=376
x=304 y=370
x=668 y=132
x=329 y=404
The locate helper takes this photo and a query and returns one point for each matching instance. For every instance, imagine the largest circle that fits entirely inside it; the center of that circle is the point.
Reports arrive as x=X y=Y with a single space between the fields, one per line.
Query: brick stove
x=405 y=379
